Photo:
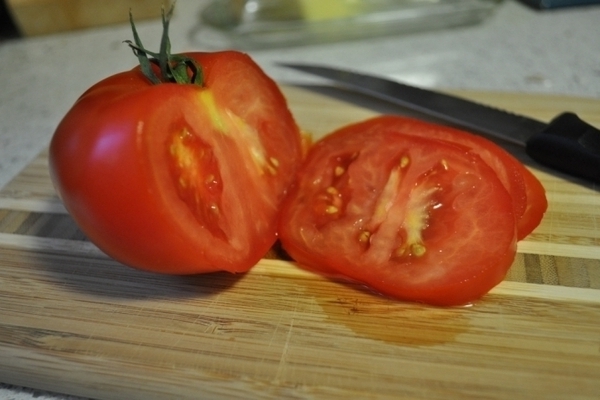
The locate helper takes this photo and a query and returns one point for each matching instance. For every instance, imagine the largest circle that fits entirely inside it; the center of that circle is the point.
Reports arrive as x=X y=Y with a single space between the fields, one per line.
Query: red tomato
x=528 y=194
x=415 y=218
x=178 y=178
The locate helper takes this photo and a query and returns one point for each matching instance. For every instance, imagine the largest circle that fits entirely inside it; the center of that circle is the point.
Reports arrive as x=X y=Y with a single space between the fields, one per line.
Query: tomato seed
x=418 y=249
x=331 y=209
x=364 y=237
x=404 y=161
x=332 y=191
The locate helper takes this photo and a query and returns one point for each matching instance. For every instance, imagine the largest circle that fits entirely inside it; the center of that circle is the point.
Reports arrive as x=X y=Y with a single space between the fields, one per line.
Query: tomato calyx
x=172 y=68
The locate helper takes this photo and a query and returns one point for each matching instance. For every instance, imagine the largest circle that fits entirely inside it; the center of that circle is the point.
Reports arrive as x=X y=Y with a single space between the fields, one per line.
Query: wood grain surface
x=74 y=321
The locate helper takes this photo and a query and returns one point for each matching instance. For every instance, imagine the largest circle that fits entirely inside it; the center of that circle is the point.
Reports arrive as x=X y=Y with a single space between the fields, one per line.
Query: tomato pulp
x=415 y=218
x=178 y=178
x=527 y=193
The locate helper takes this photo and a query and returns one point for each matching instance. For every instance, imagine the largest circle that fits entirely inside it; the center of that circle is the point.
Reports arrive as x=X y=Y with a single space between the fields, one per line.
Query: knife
x=567 y=144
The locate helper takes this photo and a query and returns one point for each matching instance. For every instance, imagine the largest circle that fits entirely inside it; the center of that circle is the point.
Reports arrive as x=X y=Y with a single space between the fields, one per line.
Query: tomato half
x=528 y=194
x=415 y=218
x=178 y=178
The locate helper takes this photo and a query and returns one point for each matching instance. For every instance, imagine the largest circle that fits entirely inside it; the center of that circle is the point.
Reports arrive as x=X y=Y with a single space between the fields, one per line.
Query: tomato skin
x=414 y=218
x=528 y=194
x=179 y=179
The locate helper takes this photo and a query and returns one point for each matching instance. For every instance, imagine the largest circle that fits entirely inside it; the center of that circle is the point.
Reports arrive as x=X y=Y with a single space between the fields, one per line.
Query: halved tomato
x=415 y=218
x=179 y=178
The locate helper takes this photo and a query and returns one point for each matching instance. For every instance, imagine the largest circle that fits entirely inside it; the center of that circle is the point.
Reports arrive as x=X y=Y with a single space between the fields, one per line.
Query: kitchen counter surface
x=517 y=49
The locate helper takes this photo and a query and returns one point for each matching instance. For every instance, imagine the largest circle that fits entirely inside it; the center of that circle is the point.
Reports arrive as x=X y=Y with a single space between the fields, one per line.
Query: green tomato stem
x=172 y=68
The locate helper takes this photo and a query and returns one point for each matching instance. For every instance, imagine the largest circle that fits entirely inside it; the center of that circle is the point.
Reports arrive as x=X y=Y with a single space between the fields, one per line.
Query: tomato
x=528 y=194
x=414 y=218
x=179 y=178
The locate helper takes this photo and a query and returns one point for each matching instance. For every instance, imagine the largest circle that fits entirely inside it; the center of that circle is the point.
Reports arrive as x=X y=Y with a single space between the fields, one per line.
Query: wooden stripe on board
x=18 y=231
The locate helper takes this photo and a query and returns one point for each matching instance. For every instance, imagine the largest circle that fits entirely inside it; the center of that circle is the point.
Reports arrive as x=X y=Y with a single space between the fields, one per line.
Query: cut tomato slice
x=414 y=218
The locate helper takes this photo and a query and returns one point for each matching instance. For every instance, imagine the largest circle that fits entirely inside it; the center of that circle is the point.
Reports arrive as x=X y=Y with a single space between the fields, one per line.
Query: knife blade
x=567 y=143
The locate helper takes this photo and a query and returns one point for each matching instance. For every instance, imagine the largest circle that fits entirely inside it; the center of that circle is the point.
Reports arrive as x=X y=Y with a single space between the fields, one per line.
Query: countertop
x=517 y=49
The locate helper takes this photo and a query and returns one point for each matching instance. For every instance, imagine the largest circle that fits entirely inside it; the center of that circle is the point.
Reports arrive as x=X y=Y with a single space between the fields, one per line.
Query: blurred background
x=249 y=23
x=265 y=22
x=42 y=17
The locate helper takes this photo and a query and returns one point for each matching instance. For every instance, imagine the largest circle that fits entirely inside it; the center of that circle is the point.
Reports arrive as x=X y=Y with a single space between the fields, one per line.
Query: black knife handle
x=570 y=145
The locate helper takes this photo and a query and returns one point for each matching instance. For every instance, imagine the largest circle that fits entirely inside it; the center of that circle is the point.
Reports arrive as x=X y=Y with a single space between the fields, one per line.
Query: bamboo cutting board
x=74 y=321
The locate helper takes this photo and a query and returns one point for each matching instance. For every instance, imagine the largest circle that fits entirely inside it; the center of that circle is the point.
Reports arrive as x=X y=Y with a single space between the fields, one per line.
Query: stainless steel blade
x=465 y=113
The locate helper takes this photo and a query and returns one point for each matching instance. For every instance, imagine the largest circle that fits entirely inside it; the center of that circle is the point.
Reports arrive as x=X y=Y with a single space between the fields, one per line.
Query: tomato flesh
x=417 y=219
x=197 y=180
x=527 y=193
